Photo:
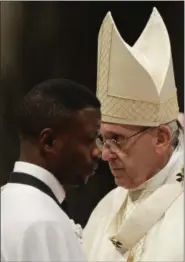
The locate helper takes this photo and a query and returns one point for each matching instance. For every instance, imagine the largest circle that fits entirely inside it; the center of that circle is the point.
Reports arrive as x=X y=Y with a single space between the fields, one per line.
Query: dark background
x=40 y=40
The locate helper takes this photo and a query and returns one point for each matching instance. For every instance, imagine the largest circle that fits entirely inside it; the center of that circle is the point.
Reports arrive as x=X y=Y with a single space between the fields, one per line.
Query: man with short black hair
x=58 y=124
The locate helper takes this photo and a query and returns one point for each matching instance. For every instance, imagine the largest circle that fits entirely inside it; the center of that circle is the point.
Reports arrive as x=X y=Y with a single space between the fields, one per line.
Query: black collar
x=26 y=179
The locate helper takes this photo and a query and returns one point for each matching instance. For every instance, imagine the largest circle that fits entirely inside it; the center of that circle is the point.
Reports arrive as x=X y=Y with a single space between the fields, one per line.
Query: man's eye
x=92 y=139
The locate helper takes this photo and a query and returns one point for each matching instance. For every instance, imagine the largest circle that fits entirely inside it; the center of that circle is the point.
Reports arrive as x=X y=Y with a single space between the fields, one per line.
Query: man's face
x=75 y=152
x=139 y=155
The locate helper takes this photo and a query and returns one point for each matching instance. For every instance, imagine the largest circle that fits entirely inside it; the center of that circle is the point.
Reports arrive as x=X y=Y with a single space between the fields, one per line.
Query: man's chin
x=87 y=177
x=79 y=181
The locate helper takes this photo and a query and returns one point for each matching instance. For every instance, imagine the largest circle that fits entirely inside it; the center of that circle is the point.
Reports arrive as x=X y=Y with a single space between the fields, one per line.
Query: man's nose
x=96 y=153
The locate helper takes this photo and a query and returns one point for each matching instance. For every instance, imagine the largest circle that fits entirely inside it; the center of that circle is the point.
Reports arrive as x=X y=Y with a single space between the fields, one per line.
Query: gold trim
x=110 y=51
x=119 y=117
x=150 y=102
x=155 y=121
x=139 y=111
x=99 y=56
x=103 y=30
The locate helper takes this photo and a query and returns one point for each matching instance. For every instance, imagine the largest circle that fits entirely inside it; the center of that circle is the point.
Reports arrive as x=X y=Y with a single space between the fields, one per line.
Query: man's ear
x=164 y=139
x=46 y=140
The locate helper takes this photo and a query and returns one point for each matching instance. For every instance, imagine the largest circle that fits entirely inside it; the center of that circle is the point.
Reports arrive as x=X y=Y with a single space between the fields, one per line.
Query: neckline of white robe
x=128 y=233
x=163 y=174
x=43 y=175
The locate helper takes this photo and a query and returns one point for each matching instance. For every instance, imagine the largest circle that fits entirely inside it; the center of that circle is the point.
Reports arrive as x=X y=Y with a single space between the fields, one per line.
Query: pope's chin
x=121 y=178
x=121 y=182
x=118 y=172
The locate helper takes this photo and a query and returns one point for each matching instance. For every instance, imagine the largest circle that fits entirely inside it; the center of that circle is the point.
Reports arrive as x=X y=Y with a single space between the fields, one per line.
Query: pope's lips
x=117 y=172
x=117 y=168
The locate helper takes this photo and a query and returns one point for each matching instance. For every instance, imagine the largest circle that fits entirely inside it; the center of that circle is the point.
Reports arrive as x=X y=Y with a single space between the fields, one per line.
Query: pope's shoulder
x=108 y=201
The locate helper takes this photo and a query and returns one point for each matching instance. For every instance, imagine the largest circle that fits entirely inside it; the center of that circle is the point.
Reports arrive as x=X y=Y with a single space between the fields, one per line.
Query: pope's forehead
x=110 y=127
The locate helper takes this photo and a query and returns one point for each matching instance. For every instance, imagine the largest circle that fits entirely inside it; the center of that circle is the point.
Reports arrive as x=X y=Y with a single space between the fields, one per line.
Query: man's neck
x=29 y=153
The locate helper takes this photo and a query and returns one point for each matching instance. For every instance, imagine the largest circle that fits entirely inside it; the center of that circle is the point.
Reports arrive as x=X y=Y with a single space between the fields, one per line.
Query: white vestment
x=146 y=224
x=33 y=226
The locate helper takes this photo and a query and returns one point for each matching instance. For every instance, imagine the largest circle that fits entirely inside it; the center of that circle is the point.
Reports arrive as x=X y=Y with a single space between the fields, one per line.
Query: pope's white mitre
x=136 y=84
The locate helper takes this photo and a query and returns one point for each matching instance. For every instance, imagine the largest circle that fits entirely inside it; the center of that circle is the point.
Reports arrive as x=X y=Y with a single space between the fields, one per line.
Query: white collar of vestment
x=160 y=178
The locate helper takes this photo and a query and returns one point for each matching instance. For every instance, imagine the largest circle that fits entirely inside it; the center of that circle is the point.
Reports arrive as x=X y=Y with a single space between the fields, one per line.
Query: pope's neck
x=155 y=180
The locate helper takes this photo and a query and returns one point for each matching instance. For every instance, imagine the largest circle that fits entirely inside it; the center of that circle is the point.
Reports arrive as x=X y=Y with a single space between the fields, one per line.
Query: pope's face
x=141 y=154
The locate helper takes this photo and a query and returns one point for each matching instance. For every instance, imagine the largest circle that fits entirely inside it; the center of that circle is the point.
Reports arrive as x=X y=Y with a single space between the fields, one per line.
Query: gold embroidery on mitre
x=131 y=107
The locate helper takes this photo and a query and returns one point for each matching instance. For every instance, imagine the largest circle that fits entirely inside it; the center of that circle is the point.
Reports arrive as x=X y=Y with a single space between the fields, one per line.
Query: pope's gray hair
x=175 y=131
